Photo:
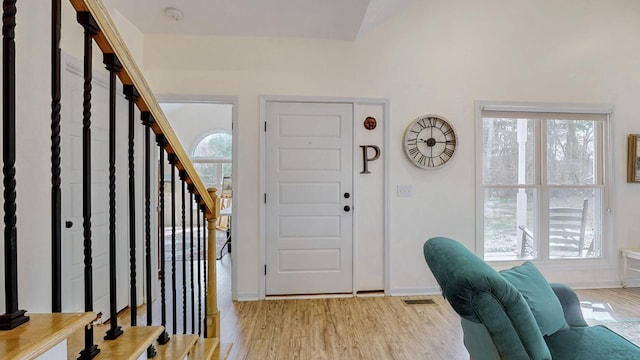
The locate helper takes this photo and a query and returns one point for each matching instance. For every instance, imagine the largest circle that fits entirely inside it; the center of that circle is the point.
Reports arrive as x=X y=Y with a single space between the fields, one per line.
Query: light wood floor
x=361 y=328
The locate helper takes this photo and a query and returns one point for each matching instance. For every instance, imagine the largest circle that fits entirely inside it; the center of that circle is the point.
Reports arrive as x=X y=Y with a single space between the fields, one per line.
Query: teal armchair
x=516 y=314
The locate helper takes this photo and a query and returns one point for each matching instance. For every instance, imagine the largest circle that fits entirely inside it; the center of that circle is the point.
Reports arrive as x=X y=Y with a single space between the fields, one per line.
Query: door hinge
x=265 y=269
x=265 y=126
x=265 y=198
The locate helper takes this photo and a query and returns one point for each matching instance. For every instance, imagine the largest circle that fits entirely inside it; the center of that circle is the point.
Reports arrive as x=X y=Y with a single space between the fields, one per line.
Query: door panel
x=72 y=201
x=308 y=170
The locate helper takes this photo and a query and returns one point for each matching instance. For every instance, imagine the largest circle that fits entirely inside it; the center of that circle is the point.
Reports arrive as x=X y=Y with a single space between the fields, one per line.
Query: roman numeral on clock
x=448 y=152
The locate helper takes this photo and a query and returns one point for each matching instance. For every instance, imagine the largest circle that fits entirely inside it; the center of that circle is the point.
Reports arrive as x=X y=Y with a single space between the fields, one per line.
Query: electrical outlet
x=405 y=190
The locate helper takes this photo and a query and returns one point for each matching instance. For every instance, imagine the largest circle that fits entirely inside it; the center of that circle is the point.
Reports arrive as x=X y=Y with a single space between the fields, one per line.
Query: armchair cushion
x=537 y=292
x=595 y=342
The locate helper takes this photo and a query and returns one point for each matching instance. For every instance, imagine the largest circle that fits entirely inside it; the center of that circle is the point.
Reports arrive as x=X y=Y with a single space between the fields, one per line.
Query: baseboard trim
x=435 y=290
x=248 y=297
x=606 y=284
x=306 y=297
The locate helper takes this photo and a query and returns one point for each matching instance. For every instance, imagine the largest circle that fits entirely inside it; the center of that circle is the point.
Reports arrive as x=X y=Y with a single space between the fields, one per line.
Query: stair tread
x=133 y=342
x=177 y=348
x=206 y=348
x=41 y=333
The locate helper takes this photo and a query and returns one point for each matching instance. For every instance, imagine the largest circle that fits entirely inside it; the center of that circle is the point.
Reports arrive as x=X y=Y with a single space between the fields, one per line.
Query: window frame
x=217 y=161
x=604 y=156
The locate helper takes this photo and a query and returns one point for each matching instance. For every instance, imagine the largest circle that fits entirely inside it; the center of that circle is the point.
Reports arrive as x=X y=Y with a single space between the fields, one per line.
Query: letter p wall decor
x=366 y=158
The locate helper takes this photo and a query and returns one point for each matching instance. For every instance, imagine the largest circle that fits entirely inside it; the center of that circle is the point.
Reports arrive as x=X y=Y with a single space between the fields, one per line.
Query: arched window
x=211 y=158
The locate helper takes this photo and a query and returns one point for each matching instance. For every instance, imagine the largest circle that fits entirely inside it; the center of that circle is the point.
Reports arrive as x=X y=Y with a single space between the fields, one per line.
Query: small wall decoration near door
x=430 y=142
x=370 y=123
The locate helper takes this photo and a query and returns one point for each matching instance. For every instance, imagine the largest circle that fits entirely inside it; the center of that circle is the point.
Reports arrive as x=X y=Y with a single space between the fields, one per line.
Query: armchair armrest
x=570 y=304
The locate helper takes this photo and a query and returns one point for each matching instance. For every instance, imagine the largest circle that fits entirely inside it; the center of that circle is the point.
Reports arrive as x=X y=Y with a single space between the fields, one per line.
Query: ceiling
x=321 y=19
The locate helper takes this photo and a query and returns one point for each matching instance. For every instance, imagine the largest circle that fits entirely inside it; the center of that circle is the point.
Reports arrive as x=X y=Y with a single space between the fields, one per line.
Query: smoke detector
x=173 y=14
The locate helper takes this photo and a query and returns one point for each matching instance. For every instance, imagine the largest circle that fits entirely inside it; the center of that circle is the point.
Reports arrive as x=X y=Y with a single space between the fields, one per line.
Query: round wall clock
x=430 y=141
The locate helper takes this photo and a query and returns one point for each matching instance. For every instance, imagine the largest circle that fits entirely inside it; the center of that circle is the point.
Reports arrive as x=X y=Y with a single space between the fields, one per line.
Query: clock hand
x=430 y=141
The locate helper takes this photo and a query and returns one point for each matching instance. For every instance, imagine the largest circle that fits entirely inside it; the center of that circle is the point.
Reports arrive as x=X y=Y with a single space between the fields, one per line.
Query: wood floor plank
x=360 y=328
x=621 y=304
x=347 y=328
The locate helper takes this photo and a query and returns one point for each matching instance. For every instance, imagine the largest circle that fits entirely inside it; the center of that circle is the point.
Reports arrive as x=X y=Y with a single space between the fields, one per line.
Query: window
x=543 y=182
x=211 y=158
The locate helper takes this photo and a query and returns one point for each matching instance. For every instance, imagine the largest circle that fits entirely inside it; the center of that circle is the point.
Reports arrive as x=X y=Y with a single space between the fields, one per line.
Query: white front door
x=309 y=198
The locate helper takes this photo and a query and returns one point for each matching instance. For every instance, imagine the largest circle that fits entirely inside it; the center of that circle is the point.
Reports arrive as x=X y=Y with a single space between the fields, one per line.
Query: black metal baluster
x=191 y=188
x=114 y=66
x=56 y=197
x=90 y=29
x=164 y=337
x=12 y=317
x=147 y=121
x=199 y=249
x=183 y=178
x=173 y=160
x=131 y=94
x=206 y=262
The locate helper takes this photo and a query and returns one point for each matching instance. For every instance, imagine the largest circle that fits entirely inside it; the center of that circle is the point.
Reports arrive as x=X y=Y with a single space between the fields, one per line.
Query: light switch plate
x=405 y=190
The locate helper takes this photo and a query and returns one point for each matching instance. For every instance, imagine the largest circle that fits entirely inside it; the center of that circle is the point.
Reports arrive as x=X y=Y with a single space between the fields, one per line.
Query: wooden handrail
x=110 y=41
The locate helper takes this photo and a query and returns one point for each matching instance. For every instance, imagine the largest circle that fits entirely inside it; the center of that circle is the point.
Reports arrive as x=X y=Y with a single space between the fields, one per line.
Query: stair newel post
x=56 y=197
x=173 y=160
x=114 y=66
x=191 y=189
x=12 y=317
x=203 y=209
x=132 y=95
x=147 y=121
x=90 y=29
x=164 y=337
x=199 y=251
x=183 y=178
x=213 y=315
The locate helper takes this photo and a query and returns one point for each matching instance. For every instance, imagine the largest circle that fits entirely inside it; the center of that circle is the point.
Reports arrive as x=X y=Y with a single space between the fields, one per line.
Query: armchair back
x=480 y=295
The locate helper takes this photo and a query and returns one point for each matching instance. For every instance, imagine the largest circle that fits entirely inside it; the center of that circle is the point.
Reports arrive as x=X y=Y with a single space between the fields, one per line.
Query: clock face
x=430 y=142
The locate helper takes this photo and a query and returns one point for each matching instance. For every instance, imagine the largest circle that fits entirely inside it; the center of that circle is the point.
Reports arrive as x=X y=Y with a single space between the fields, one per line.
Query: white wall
x=192 y=120
x=436 y=57
x=33 y=167
x=33 y=139
x=72 y=34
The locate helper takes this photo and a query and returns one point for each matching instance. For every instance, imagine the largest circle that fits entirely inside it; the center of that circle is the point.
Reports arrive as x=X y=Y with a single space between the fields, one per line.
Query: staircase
x=81 y=335
x=43 y=334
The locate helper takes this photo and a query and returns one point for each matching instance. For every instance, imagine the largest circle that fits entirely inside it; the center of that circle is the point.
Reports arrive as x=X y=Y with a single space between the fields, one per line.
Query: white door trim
x=235 y=134
x=355 y=101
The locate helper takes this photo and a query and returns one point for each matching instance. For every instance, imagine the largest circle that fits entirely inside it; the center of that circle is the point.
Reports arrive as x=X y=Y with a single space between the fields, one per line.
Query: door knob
x=347 y=195
x=347 y=208
x=68 y=224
